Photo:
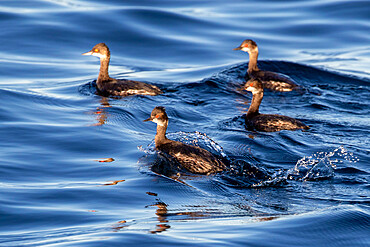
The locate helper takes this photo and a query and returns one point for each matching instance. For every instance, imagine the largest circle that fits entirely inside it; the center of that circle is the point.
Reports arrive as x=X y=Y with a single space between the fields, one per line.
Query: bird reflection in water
x=243 y=105
x=164 y=216
x=120 y=225
x=161 y=213
x=114 y=182
x=100 y=112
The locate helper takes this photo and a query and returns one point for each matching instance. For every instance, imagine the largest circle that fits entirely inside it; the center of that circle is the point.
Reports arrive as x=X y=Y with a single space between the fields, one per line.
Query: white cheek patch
x=252 y=89
x=99 y=55
x=245 y=49
x=159 y=122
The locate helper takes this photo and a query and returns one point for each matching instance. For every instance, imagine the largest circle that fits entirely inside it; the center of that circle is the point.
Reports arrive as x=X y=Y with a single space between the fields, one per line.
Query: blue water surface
x=75 y=167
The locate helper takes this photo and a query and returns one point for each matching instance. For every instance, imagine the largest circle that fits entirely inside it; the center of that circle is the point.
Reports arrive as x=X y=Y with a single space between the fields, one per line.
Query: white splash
x=320 y=165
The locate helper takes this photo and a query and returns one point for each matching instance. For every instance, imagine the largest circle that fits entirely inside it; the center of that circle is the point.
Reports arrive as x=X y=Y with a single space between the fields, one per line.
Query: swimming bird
x=109 y=86
x=193 y=159
x=266 y=122
x=271 y=80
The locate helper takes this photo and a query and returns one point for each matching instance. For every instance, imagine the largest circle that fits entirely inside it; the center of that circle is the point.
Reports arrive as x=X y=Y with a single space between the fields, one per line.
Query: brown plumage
x=109 y=86
x=271 y=80
x=267 y=122
x=193 y=159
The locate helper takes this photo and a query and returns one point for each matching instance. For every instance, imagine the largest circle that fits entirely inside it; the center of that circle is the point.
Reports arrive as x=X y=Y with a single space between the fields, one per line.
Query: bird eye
x=251 y=84
x=96 y=50
x=157 y=116
x=246 y=45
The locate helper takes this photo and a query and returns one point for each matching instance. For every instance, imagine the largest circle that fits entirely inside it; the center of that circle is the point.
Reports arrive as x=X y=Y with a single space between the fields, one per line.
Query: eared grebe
x=192 y=158
x=266 y=122
x=270 y=80
x=110 y=86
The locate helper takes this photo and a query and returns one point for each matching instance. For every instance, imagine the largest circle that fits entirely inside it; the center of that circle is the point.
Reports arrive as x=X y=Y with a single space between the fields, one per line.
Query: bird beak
x=237 y=48
x=149 y=119
x=87 y=53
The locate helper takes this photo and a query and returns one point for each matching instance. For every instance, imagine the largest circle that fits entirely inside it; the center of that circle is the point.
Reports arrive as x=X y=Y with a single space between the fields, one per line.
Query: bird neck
x=255 y=104
x=160 y=136
x=252 y=65
x=103 y=73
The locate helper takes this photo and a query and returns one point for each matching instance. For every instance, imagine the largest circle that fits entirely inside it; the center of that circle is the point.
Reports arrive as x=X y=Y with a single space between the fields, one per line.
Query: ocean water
x=76 y=169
